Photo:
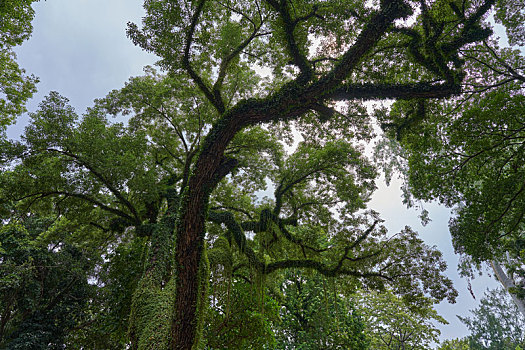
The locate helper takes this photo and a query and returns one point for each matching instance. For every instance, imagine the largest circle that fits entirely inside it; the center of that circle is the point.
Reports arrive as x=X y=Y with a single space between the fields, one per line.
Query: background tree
x=496 y=323
x=395 y=323
x=314 y=315
x=454 y=344
x=471 y=159
x=468 y=154
x=15 y=87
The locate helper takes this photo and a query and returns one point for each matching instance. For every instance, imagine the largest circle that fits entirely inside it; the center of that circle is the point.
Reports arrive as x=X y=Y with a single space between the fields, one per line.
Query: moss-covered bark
x=152 y=305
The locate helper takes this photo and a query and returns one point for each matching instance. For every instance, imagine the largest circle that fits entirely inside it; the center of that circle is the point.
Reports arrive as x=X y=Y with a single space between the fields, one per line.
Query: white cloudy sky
x=79 y=48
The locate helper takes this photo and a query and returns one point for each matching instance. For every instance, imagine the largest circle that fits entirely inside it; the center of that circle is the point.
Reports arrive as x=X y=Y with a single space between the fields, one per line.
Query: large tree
x=201 y=140
x=212 y=42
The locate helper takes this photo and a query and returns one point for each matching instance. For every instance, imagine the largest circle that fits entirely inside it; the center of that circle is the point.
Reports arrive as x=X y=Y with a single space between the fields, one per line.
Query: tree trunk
x=152 y=304
x=190 y=244
x=508 y=283
x=191 y=271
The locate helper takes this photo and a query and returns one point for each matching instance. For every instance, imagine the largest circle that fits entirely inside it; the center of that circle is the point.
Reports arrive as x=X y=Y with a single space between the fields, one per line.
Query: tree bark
x=210 y=168
x=508 y=283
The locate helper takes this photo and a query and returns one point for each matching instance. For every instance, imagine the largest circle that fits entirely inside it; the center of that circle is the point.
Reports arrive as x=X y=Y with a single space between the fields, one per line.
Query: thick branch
x=299 y=59
x=369 y=36
x=233 y=226
x=394 y=91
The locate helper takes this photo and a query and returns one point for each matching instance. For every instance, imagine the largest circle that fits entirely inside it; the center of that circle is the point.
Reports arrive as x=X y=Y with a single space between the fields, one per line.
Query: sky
x=80 y=49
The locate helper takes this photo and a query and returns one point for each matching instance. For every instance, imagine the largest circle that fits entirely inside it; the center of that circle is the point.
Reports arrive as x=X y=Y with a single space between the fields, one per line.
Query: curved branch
x=299 y=59
x=234 y=53
x=186 y=60
x=237 y=231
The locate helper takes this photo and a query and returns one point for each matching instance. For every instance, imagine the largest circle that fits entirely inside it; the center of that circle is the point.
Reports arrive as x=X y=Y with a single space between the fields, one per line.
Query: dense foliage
x=43 y=286
x=315 y=316
x=496 y=323
x=397 y=323
x=15 y=87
